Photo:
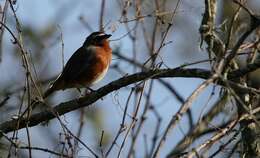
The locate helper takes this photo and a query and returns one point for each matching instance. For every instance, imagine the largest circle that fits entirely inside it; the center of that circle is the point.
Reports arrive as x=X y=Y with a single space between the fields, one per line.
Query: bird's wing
x=80 y=61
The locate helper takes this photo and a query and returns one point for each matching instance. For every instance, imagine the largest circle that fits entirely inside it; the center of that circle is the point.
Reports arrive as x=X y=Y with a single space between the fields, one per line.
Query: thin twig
x=213 y=139
x=101 y=17
x=122 y=125
x=177 y=117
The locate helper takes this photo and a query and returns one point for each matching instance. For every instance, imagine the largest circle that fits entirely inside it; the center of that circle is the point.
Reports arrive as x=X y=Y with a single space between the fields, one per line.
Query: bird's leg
x=90 y=89
x=79 y=90
x=81 y=95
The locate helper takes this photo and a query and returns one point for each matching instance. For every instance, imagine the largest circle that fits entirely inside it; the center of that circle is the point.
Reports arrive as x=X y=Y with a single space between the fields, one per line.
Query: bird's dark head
x=97 y=39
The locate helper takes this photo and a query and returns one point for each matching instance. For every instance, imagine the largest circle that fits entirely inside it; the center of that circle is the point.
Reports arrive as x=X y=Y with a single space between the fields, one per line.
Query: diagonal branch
x=66 y=107
x=69 y=106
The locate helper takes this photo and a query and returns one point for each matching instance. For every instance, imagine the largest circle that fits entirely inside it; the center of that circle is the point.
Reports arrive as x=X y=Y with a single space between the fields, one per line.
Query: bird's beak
x=106 y=36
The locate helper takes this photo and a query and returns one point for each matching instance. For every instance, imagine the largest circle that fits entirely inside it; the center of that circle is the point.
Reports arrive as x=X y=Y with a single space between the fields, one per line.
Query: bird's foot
x=90 y=89
x=81 y=95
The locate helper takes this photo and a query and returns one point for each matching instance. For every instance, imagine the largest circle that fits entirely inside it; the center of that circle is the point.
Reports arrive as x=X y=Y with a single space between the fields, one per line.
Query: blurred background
x=53 y=30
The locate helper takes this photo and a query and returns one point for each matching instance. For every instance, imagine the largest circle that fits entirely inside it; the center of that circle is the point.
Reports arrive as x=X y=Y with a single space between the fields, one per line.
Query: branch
x=213 y=139
x=177 y=117
x=245 y=70
x=71 y=105
x=199 y=127
x=66 y=107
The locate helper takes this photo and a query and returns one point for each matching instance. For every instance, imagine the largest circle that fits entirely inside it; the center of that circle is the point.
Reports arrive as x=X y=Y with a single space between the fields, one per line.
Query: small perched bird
x=86 y=66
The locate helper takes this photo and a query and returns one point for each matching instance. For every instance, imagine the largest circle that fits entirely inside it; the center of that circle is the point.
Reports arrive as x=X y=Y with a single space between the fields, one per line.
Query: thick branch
x=66 y=107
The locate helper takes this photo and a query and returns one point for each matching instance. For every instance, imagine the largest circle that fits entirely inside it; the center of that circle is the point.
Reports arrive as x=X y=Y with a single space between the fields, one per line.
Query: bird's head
x=97 y=39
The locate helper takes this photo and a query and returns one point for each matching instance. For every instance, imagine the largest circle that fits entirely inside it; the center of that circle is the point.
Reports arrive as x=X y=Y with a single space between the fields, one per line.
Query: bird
x=86 y=66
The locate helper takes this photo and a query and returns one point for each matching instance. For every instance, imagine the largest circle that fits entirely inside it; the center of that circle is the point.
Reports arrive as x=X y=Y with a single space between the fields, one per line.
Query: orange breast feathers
x=100 y=66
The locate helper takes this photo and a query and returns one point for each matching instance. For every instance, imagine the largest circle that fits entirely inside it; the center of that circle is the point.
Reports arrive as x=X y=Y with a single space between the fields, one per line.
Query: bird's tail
x=56 y=85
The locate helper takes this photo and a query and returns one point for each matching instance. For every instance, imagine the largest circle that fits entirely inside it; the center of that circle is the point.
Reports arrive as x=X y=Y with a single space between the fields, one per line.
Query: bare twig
x=213 y=139
x=177 y=117
x=4 y=101
x=101 y=17
x=122 y=125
